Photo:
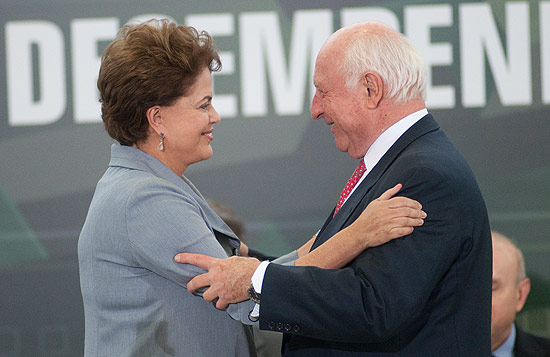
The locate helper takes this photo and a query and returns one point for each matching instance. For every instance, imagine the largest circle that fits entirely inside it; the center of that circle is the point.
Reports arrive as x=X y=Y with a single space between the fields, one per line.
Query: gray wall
x=489 y=66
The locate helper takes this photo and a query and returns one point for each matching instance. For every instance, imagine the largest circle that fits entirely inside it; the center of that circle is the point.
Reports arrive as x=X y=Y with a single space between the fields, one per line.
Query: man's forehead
x=504 y=265
x=318 y=76
x=324 y=68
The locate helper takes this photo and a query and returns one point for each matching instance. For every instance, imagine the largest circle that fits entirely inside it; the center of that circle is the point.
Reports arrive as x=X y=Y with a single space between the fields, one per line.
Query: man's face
x=506 y=296
x=340 y=107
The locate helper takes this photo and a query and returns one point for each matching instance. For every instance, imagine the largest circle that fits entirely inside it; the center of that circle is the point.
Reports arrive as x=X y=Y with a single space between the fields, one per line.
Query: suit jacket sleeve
x=388 y=288
x=162 y=220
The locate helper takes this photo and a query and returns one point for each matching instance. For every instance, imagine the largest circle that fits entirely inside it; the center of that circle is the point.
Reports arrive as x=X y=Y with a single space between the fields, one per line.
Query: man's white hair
x=393 y=57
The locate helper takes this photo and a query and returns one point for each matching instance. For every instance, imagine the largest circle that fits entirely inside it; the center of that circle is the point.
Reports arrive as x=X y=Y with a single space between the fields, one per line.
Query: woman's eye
x=205 y=106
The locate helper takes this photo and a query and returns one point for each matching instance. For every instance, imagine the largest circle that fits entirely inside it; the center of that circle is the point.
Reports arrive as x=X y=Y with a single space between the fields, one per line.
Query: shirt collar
x=505 y=350
x=384 y=142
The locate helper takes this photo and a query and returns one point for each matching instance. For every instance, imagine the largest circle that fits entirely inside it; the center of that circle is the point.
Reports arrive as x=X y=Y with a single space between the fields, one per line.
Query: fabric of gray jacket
x=135 y=298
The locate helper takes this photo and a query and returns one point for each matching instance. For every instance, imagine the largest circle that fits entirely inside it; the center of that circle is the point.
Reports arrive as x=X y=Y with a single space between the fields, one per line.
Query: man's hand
x=226 y=279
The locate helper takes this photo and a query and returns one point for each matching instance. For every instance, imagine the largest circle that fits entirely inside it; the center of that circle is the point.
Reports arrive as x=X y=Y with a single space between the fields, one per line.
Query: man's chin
x=356 y=154
x=340 y=146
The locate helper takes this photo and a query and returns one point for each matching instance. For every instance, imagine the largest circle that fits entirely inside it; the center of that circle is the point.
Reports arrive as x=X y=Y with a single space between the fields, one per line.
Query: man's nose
x=316 y=108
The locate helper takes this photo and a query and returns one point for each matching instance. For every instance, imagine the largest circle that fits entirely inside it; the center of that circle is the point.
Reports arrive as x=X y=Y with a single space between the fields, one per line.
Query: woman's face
x=188 y=125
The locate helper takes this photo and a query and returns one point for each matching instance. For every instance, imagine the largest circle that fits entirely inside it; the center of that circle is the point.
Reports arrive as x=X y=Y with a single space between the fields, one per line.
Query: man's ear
x=523 y=289
x=373 y=86
x=154 y=117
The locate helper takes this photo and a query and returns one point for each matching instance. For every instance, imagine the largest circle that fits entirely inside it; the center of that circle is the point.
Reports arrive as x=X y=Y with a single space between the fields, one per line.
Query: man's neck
x=507 y=345
x=392 y=112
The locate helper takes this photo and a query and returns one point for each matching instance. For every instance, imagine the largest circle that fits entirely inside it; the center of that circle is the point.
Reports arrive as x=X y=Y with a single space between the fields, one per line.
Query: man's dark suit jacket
x=427 y=294
x=528 y=345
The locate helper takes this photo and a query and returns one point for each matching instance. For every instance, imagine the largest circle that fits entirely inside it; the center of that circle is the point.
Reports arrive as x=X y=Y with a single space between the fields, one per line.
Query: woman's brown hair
x=151 y=63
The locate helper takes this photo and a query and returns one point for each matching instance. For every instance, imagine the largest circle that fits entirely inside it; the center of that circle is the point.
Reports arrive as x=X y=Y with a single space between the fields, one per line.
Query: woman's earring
x=161 y=144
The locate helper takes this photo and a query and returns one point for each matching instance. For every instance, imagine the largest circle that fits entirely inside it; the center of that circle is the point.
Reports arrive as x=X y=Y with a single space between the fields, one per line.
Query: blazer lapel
x=129 y=157
x=334 y=224
x=217 y=223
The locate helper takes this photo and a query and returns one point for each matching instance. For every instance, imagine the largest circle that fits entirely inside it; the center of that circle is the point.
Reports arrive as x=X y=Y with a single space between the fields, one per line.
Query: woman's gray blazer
x=135 y=297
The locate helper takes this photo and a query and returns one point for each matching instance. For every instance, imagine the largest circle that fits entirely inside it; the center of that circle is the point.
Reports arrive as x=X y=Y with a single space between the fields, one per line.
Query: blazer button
x=279 y=326
x=271 y=325
x=287 y=327
x=296 y=328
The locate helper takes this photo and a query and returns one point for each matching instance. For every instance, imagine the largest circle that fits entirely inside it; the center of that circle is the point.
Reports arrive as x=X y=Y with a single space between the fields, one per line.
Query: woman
x=156 y=93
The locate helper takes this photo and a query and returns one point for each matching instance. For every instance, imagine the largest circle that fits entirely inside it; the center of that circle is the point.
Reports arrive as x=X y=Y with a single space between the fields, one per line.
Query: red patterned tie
x=359 y=171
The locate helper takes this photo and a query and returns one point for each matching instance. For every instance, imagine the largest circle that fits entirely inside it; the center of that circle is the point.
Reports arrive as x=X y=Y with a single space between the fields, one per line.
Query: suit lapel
x=334 y=225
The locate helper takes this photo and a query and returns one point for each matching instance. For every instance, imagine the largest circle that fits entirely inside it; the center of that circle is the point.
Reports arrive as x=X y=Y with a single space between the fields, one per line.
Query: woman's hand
x=243 y=250
x=387 y=218
x=384 y=219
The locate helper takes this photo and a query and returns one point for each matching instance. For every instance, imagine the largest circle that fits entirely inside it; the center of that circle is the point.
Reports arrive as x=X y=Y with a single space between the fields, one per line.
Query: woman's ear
x=154 y=118
x=374 y=89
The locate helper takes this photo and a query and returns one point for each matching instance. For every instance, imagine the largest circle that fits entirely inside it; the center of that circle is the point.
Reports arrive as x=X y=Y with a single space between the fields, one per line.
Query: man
x=510 y=290
x=424 y=295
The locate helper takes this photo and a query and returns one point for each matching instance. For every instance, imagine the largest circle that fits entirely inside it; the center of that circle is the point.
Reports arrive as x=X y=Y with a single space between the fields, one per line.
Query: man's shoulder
x=531 y=345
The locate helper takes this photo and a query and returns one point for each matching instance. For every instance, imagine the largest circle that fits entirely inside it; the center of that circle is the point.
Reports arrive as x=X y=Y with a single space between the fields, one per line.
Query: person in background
x=426 y=295
x=510 y=290
x=155 y=87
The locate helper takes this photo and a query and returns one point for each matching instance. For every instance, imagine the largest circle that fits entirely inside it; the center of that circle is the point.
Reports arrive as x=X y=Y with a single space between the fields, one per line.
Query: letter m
x=263 y=56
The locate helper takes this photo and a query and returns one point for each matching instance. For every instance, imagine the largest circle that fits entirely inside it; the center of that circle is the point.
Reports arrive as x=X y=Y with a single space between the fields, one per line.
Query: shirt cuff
x=254 y=315
x=258 y=276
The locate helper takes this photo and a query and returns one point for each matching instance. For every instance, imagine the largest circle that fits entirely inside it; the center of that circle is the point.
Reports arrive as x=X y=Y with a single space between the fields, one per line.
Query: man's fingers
x=197 y=282
x=391 y=192
x=212 y=295
x=200 y=260
x=221 y=305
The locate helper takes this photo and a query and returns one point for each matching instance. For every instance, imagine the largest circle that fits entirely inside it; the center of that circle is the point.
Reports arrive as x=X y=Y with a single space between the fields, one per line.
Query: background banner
x=489 y=89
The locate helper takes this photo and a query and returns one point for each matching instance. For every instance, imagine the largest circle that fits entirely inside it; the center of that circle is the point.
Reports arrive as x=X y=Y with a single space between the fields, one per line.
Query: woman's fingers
x=390 y=192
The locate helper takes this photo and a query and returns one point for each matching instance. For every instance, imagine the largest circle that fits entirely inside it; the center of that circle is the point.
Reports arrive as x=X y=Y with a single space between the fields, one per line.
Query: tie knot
x=360 y=169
